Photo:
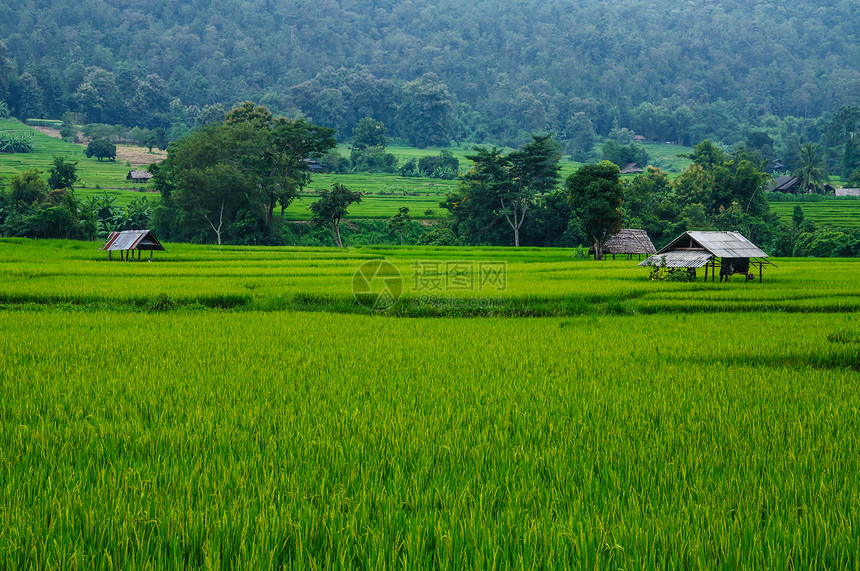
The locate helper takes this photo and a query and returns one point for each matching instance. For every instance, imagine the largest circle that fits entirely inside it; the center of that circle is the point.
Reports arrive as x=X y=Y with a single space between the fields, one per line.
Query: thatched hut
x=630 y=242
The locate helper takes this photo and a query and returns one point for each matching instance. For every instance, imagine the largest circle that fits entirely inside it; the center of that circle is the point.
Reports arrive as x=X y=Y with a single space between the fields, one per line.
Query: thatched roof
x=631 y=168
x=629 y=241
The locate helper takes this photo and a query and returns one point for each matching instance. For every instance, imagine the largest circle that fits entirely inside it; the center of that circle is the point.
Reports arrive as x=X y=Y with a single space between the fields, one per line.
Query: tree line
x=224 y=182
x=441 y=71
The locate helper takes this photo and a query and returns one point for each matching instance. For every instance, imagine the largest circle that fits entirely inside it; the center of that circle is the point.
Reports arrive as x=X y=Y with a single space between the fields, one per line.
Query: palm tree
x=812 y=169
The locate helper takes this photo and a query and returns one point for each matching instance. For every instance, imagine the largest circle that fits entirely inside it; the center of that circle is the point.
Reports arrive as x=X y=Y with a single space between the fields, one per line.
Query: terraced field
x=838 y=213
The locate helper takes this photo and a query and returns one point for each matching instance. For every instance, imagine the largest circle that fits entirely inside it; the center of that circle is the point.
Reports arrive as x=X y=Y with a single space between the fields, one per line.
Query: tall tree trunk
x=270 y=211
x=220 y=223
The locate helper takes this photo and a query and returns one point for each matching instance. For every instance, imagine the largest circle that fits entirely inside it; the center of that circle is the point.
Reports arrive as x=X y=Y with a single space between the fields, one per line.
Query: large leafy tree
x=533 y=171
x=209 y=176
x=596 y=194
x=332 y=207
x=101 y=149
x=504 y=187
x=279 y=168
x=249 y=163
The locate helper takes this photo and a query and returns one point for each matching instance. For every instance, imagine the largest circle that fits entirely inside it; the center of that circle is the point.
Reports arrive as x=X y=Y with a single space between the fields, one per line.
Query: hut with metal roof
x=127 y=241
x=630 y=242
x=731 y=252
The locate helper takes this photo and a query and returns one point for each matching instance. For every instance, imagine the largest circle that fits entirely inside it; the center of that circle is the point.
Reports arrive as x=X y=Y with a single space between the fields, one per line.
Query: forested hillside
x=442 y=70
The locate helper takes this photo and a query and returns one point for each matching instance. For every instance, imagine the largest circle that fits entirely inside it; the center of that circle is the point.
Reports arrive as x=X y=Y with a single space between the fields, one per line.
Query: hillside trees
x=62 y=174
x=425 y=113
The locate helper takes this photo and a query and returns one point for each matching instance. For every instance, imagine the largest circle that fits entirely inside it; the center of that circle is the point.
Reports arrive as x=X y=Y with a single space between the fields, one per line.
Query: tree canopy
x=237 y=169
x=477 y=72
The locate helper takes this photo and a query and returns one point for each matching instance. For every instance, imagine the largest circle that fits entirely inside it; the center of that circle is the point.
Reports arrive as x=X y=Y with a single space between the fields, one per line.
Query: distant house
x=631 y=168
x=848 y=192
x=791 y=184
x=138 y=176
x=728 y=251
x=313 y=165
x=639 y=138
x=629 y=242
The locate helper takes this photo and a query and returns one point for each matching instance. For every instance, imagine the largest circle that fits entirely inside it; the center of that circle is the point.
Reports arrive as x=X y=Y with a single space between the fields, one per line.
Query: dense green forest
x=441 y=71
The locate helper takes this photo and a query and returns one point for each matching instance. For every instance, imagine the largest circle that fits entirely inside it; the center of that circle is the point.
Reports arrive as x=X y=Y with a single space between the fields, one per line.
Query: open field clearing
x=293 y=439
x=842 y=213
x=92 y=173
x=181 y=413
x=538 y=281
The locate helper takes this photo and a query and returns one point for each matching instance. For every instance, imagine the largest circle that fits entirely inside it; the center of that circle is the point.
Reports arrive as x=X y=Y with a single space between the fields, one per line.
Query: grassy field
x=96 y=177
x=182 y=413
x=384 y=193
x=842 y=213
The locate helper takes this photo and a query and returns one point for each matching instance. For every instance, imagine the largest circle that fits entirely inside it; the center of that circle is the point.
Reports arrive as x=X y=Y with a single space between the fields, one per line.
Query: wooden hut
x=127 y=241
x=728 y=251
x=138 y=176
x=631 y=168
x=630 y=242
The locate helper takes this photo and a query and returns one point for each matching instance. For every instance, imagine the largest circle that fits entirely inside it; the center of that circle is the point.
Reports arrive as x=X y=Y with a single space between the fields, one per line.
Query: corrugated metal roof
x=720 y=244
x=130 y=240
x=726 y=244
x=685 y=259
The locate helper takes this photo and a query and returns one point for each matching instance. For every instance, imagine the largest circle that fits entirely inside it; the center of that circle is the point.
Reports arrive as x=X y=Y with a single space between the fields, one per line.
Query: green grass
x=717 y=431
x=838 y=213
x=539 y=281
x=109 y=176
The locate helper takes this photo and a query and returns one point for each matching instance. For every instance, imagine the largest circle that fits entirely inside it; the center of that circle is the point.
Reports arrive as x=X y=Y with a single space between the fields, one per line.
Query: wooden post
x=760 y=265
x=706 y=272
x=150 y=255
x=109 y=256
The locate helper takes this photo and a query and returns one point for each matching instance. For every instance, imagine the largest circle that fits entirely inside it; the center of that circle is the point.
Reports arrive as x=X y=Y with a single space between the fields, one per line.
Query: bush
x=438 y=236
x=825 y=243
x=16 y=143
x=373 y=159
x=52 y=123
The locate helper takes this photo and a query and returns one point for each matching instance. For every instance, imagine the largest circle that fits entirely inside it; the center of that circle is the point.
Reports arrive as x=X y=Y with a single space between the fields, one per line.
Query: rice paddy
x=838 y=213
x=235 y=407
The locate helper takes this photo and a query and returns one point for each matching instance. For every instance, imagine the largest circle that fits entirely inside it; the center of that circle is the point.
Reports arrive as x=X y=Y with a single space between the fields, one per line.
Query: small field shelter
x=731 y=252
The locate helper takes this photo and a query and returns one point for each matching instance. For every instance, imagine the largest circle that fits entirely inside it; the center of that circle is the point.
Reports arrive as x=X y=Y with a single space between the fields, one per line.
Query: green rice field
x=235 y=407
x=838 y=213
x=108 y=176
